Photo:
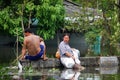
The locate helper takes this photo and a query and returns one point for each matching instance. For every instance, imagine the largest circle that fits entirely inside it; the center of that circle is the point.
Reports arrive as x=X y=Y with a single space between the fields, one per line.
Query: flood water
x=90 y=73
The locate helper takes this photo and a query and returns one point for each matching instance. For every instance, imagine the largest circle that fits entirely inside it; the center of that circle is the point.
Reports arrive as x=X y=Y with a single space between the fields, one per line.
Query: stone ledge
x=54 y=62
x=50 y=63
x=89 y=61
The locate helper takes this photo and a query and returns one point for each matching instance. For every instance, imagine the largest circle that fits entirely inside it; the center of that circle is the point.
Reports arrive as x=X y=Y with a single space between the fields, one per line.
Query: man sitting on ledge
x=32 y=45
x=67 y=57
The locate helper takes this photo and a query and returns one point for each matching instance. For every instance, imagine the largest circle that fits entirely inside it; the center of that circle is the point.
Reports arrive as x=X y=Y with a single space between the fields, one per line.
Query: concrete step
x=54 y=62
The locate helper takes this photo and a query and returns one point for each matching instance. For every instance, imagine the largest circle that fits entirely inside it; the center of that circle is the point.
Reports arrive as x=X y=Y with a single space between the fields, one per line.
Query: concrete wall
x=8 y=48
x=76 y=41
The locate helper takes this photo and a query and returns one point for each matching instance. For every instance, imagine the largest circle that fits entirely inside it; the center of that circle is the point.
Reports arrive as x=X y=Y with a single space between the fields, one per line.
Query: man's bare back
x=32 y=44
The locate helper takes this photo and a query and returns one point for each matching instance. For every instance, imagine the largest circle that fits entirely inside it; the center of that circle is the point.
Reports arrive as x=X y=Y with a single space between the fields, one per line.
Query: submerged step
x=110 y=61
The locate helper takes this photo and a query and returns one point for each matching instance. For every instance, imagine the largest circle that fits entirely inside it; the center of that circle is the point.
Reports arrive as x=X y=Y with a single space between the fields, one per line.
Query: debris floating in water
x=20 y=66
x=16 y=77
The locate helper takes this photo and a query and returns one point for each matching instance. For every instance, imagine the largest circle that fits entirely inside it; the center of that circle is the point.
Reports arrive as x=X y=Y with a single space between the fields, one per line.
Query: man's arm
x=65 y=52
x=69 y=55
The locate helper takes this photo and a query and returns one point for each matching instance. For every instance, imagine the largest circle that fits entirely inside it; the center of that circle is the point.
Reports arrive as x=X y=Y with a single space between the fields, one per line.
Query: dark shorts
x=36 y=57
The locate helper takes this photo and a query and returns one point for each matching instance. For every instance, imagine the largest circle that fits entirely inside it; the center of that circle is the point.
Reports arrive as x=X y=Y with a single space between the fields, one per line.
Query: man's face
x=66 y=39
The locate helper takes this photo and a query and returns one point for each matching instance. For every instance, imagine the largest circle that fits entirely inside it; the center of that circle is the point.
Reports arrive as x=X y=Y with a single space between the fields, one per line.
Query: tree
x=51 y=17
x=19 y=14
x=99 y=18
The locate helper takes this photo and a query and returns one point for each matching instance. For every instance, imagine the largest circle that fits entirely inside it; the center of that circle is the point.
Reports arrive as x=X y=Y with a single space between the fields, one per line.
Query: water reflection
x=90 y=73
x=49 y=74
x=70 y=74
x=109 y=70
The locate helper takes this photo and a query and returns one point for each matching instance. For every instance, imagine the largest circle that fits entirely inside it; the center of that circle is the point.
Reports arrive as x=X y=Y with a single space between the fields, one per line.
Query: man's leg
x=44 y=54
x=67 y=62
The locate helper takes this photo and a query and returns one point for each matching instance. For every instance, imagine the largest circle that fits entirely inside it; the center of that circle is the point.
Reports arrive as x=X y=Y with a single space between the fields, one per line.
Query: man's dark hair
x=66 y=34
x=28 y=30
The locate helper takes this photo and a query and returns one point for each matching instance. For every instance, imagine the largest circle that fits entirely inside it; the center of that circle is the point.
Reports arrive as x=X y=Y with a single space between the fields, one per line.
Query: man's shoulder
x=36 y=36
x=61 y=42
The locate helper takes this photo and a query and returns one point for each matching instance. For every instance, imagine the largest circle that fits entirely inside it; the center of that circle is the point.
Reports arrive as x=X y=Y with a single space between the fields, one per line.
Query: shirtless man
x=32 y=45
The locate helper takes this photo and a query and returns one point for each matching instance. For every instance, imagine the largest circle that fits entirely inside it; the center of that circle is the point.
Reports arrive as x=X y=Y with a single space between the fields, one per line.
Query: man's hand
x=70 y=55
x=22 y=57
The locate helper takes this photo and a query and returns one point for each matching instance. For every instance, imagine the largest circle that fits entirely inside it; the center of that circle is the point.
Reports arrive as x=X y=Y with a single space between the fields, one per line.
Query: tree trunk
x=29 y=20
x=119 y=10
x=22 y=18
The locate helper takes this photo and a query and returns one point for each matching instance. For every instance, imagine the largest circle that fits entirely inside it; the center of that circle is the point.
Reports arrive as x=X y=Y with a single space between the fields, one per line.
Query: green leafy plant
x=18 y=15
x=98 y=18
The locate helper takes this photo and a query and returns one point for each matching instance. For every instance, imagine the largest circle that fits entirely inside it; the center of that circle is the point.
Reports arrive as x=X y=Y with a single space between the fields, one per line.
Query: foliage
x=51 y=18
x=98 y=18
x=18 y=14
